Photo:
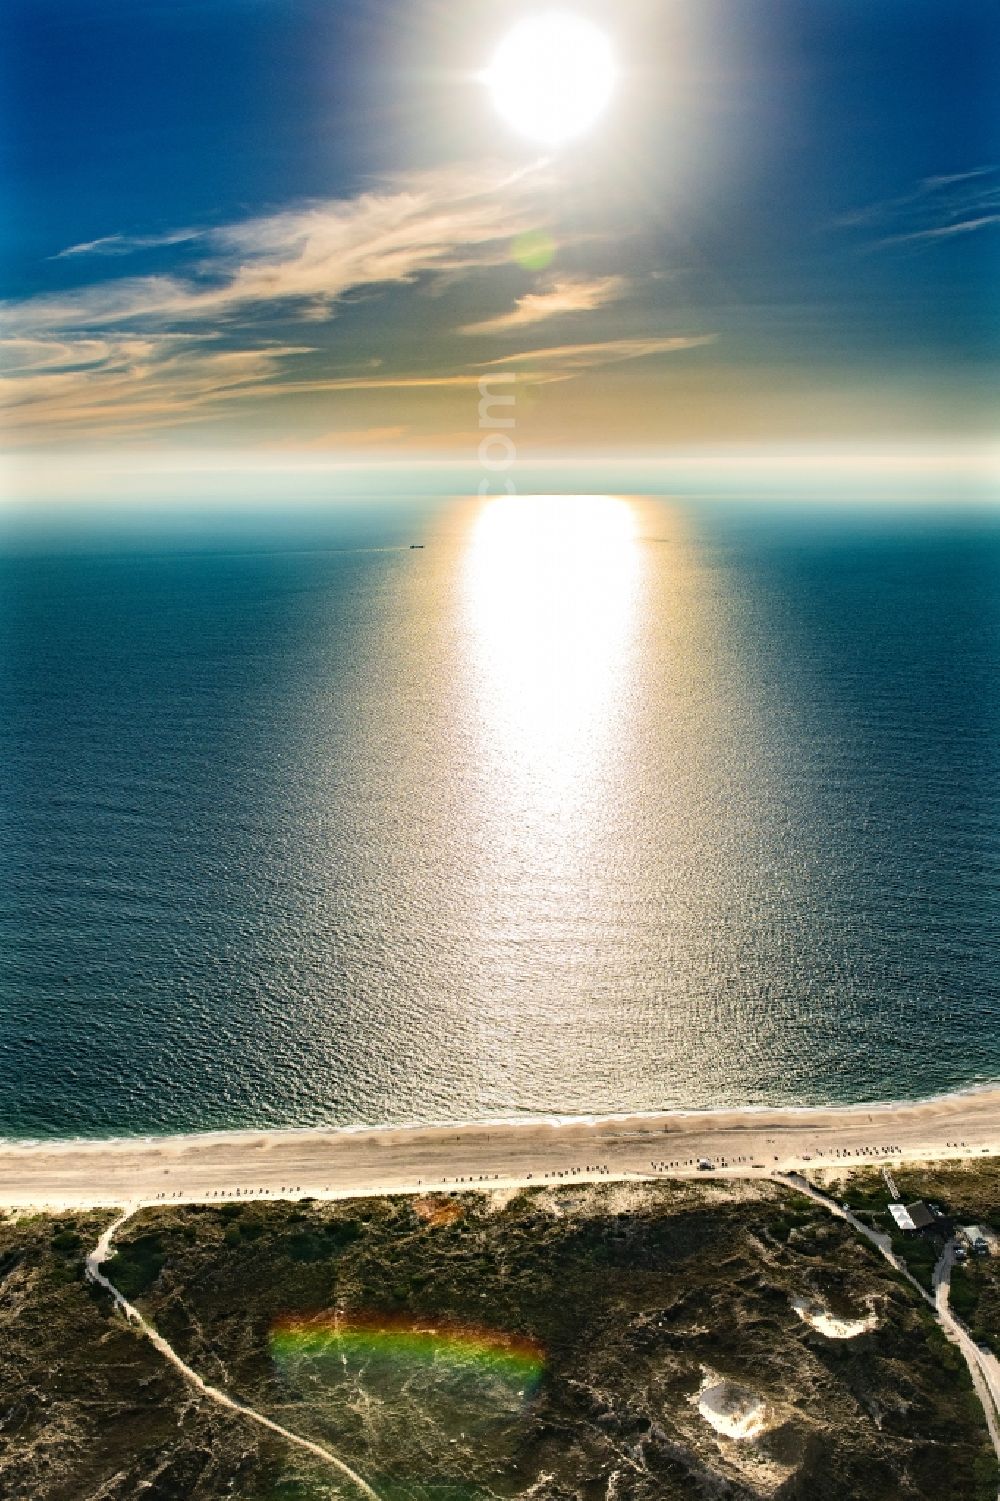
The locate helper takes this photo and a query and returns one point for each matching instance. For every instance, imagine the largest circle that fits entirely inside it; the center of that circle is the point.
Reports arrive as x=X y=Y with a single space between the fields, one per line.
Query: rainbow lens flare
x=517 y=1361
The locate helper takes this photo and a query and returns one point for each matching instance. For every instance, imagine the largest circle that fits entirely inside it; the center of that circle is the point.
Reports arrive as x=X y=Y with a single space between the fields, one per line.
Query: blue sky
x=290 y=226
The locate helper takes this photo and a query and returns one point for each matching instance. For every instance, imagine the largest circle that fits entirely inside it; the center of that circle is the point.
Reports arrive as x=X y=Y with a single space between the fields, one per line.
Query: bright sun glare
x=551 y=76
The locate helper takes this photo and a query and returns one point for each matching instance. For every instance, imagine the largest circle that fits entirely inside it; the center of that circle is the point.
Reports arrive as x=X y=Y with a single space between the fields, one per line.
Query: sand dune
x=814 y=1313
x=320 y=1162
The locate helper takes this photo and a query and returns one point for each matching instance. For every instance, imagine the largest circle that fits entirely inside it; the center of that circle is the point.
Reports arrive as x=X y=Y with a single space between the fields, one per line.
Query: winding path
x=983 y=1366
x=977 y=1358
x=101 y=1253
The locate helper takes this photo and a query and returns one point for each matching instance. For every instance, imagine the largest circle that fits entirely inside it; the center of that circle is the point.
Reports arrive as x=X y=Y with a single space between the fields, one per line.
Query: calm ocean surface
x=590 y=804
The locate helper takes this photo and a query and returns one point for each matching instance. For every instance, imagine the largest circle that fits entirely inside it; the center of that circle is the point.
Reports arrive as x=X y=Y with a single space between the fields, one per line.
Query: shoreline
x=499 y=1122
x=347 y=1161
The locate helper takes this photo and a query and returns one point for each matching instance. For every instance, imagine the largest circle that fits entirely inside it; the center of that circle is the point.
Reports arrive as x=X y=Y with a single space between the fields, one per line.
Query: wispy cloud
x=126 y=244
x=125 y=355
x=374 y=383
x=949 y=179
x=945 y=231
x=936 y=208
x=576 y=357
x=567 y=295
x=342 y=440
x=167 y=348
x=447 y=220
x=127 y=384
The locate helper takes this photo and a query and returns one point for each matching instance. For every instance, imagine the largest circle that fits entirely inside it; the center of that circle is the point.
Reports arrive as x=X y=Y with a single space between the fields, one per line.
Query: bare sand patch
x=732 y=1410
x=435 y=1210
x=815 y=1313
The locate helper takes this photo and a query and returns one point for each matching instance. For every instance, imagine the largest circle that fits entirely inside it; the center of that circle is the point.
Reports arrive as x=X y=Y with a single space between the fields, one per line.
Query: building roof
x=912 y=1216
x=920 y=1215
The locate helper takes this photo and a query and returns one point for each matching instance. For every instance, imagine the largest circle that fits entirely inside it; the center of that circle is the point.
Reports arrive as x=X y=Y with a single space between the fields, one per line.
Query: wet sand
x=320 y=1163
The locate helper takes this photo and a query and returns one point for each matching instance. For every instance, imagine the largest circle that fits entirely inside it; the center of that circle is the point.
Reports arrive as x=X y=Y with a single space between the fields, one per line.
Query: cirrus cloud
x=124 y=350
x=940 y=207
x=566 y=295
x=576 y=357
x=446 y=220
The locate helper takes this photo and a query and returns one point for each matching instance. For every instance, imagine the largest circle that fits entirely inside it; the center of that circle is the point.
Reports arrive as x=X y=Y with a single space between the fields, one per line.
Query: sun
x=552 y=76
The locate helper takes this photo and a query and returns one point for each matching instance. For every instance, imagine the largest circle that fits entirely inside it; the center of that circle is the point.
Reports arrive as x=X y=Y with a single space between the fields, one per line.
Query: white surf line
x=103 y=1250
x=985 y=1380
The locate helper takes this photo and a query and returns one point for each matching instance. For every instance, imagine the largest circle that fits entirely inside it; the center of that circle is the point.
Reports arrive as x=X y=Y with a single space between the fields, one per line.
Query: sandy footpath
x=318 y=1162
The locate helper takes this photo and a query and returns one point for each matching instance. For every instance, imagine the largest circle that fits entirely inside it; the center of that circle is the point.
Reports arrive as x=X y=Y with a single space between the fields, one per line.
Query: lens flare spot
x=534 y=249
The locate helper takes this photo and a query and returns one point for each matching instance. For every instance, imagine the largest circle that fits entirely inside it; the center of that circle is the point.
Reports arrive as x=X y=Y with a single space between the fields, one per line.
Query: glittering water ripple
x=594 y=804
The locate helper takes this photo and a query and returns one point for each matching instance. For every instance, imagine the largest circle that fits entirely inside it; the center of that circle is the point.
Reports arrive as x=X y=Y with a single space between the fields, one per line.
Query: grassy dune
x=629 y=1299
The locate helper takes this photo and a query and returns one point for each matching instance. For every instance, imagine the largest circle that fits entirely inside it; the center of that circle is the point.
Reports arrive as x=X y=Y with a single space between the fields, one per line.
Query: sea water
x=584 y=804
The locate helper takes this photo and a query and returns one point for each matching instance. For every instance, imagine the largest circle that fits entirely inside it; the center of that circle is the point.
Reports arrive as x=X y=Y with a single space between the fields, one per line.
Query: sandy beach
x=320 y=1163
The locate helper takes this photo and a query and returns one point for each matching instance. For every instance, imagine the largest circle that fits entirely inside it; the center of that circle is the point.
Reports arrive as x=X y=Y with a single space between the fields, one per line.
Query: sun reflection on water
x=550 y=588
